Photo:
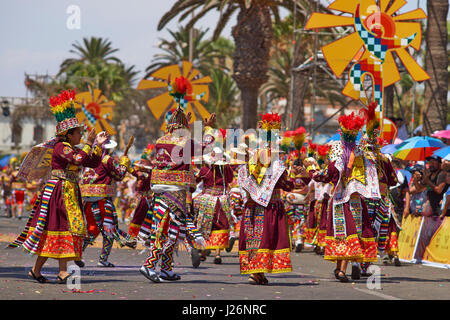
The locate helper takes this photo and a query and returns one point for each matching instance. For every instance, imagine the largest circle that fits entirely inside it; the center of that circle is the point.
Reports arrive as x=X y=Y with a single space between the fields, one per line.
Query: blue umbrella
x=337 y=137
x=5 y=160
x=444 y=153
x=389 y=149
x=418 y=148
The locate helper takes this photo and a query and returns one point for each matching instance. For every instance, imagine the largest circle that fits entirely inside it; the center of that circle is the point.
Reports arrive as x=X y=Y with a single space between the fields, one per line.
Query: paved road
x=311 y=279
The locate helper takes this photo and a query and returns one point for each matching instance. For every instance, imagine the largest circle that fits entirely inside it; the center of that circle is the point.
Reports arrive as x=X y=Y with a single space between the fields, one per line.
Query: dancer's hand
x=210 y=122
x=101 y=138
x=91 y=137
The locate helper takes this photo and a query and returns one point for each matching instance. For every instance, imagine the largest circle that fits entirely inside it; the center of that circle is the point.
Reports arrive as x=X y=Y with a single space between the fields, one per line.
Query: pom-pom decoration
x=350 y=126
x=62 y=107
x=286 y=141
x=270 y=121
x=299 y=137
x=372 y=121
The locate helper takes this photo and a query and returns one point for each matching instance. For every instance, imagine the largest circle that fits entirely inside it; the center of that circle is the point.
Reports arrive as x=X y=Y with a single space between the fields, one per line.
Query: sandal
x=105 y=264
x=342 y=278
x=165 y=276
x=62 y=280
x=40 y=279
x=356 y=273
x=336 y=273
x=150 y=275
x=253 y=280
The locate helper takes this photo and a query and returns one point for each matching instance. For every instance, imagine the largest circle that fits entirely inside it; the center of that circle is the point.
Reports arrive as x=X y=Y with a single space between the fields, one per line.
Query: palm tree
x=177 y=49
x=92 y=50
x=436 y=60
x=96 y=67
x=223 y=97
x=252 y=35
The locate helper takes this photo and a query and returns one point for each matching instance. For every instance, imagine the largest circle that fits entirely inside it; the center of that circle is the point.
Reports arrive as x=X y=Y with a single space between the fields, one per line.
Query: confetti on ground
x=37 y=291
x=80 y=291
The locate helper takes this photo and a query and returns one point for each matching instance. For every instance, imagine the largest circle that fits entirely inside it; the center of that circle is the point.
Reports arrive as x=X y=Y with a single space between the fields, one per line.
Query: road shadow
x=22 y=272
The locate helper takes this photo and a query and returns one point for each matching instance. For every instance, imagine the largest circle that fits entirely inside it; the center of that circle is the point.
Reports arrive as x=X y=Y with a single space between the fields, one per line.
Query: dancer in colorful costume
x=349 y=233
x=295 y=200
x=142 y=170
x=18 y=190
x=315 y=231
x=239 y=157
x=56 y=226
x=98 y=191
x=172 y=178
x=212 y=207
x=380 y=208
x=264 y=245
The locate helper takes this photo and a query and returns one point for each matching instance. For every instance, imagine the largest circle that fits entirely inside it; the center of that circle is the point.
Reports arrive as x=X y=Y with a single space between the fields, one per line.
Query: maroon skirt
x=57 y=240
x=358 y=243
x=138 y=217
x=264 y=244
x=220 y=231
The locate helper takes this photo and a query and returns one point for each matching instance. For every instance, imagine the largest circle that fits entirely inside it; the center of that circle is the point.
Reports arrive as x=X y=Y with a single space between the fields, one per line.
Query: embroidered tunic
x=264 y=244
x=56 y=226
x=143 y=194
x=97 y=190
x=212 y=206
x=349 y=232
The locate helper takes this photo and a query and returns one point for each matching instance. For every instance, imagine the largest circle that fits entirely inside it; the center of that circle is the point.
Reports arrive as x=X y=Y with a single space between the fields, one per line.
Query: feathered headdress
x=371 y=120
x=322 y=152
x=299 y=137
x=286 y=141
x=146 y=154
x=350 y=126
x=270 y=121
x=312 y=149
x=63 y=109
x=181 y=90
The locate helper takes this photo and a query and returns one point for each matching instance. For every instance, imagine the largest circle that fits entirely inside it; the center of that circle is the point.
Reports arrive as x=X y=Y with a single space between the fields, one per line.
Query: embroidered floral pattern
x=219 y=239
x=73 y=210
x=265 y=260
x=350 y=248
x=54 y=244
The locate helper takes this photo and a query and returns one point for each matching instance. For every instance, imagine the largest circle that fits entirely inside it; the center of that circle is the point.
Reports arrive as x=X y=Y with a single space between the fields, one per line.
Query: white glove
x=201 y=242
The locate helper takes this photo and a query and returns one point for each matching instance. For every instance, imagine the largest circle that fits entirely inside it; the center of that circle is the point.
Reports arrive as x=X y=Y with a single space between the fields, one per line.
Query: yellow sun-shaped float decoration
x=94 y=110
x=379 y=31
x=162 y=103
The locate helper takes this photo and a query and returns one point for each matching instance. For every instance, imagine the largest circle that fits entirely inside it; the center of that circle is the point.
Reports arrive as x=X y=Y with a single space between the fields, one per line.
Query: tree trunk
x=298 y=110
x=253 y=36
x=436 y=61
x=389 y=102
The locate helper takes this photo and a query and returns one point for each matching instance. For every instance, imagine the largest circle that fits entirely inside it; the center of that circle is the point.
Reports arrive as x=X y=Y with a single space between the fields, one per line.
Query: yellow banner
x=438 y=250
x=408 y=237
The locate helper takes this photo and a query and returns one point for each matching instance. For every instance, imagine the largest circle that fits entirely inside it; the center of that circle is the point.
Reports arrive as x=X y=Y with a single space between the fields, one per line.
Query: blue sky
x=35 y=39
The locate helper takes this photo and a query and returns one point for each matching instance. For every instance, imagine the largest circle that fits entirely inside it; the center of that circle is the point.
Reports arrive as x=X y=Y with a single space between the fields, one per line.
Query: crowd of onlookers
x=423 y=188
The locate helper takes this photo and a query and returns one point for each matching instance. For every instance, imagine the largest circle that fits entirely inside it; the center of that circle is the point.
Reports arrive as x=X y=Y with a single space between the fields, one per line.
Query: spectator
x=416 y=201
x=398 y=191
x=446 y=200
x=402 y=129
x=435 y=179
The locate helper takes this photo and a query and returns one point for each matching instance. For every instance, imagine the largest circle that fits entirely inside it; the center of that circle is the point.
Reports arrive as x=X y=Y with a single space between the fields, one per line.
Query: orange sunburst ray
x=160 y=104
